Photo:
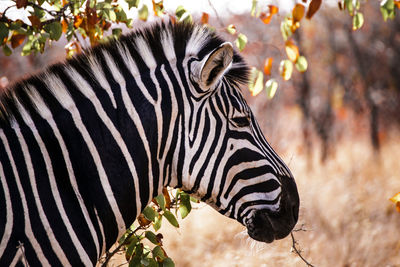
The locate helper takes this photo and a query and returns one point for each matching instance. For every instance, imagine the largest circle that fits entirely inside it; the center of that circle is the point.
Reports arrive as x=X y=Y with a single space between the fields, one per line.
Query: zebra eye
x=241 y=121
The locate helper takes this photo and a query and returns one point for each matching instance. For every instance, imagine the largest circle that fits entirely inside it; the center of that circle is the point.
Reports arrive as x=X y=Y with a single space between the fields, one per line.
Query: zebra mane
x=166 y=41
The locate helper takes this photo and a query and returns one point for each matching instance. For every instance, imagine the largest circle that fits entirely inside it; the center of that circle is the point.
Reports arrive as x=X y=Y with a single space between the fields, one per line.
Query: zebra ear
x=213 y=66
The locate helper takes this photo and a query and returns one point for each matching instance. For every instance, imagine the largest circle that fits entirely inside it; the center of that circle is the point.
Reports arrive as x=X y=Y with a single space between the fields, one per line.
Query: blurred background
x=336 y=126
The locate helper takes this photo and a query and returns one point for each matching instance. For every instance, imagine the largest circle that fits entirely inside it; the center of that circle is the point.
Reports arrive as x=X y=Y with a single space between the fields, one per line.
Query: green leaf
x=161 y=201
x=157 y=223
x=184 y=207
x=349 y=5
x=151 y=237
x=285 y=29
x=149 y=213
x=111 y=15
x=271 y=87
x=158 y=252
x=301 y=64
x=388 y=9
x=241 y=41
x=40 y=13
x=121 y=15
x=6 y=50
x=131 y=247
x=152 y=263
x=195 y=200
x=116 y=32
x=70 y=31
x=231 y=29
x=54 y=29
x=171 y=218
x=3 y=32
x=358 y=21
x=27 y=48
x=132 y=3
x=168 y=263
x=143 y=13
x=186 y=17
x=135 y=260
x=253 y=8
x=180 y=10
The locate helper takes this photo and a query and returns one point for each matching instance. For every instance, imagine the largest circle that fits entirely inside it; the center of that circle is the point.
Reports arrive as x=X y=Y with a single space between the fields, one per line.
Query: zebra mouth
x=266 y=227
x=260 y=229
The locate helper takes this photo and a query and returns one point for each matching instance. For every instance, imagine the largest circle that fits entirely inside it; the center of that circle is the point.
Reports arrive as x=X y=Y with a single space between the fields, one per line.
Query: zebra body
x=86 y=145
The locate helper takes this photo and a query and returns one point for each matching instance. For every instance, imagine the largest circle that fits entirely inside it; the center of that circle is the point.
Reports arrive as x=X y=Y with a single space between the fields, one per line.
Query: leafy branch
x=165 y=205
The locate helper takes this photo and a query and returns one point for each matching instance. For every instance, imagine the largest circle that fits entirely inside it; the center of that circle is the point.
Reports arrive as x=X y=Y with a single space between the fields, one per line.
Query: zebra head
x=231 y=166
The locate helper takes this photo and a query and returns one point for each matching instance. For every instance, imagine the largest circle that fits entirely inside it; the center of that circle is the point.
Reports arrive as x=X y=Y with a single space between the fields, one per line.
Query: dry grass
x=344 y=207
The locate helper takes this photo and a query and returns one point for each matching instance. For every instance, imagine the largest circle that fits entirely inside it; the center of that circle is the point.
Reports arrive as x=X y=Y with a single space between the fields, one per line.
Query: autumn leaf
x=204 y=18
x=142 y=220
x=298 y=12
x=77 y=21
x=167 y=198
x=35 y=21
x=21 y=3
x=312 y=8
x=231 y=29
x=268 y=65
x=158 y=8
x=17 y=40
x=292 y=50
x=256 y=82
x=266 y=18
x=273 y=9
x=286 y=69
x=64 y=26
x=396 y=199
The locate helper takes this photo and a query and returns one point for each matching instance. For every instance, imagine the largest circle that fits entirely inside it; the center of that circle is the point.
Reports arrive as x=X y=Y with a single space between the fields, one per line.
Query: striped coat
x=86 y=144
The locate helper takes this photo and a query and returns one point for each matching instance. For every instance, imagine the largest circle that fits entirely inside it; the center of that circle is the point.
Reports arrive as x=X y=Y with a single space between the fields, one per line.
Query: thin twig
x=298 y=252
x=216 y=14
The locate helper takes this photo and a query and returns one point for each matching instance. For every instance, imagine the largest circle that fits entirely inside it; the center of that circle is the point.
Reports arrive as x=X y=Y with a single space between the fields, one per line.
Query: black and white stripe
x=86 y=144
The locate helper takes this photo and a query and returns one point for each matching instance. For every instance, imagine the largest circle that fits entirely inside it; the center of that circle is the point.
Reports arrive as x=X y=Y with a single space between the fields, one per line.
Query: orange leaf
x=298 y=12
x=35 y=21
x=204 y=18
x=396 y=199
x=142 y=220
x=17 y=40
x=21 y=3
x=167 y=198
x=292 y=50
x=77 y=21
x=64 y=25
x=314 y=6
x=268 y=65
x=265 y=18
x=397 y=3
x=273 y=9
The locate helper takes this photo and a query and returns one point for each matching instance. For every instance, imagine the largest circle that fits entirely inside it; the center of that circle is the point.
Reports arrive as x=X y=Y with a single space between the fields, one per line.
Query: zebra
x=87 y=143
